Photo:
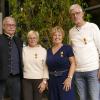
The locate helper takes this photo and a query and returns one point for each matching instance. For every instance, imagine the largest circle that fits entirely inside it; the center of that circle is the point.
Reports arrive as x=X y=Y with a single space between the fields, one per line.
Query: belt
x=57 y=73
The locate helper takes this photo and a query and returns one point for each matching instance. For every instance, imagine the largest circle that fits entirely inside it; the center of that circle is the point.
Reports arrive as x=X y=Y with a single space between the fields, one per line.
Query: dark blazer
x=4 y=55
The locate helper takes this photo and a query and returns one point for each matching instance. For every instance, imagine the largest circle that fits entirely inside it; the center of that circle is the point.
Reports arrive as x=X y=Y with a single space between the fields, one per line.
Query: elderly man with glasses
x=85 y=39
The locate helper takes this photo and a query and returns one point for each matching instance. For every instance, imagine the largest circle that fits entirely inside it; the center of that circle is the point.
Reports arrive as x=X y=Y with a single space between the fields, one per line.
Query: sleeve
x=23 y=55
x=45 y=68
x=96 y=37
x=70 y=51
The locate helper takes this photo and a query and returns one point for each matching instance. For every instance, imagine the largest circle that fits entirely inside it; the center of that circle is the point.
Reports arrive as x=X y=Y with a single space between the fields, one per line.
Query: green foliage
x=41 y=15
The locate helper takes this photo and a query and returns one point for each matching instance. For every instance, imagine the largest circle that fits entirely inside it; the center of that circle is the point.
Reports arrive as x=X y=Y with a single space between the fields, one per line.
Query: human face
x=77 y=16
x=9 y=27
x=57 y=38
x=32 y=40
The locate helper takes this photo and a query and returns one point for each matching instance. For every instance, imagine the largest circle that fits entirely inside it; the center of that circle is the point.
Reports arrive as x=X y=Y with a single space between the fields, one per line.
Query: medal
x=85 y=41
x=35 y=55
x=62 y=54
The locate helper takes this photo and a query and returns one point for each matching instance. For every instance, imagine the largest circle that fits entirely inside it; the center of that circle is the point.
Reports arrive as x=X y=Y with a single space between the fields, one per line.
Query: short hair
x=57 y=29
x=8 y=18
x=33 y=32
x=74 y=6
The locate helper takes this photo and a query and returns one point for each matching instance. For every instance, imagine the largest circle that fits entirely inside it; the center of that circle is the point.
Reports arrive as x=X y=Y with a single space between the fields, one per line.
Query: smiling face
x=57 y=38
x=32 y=38
x=76 y=14
x=57 y=35
x=9 y=26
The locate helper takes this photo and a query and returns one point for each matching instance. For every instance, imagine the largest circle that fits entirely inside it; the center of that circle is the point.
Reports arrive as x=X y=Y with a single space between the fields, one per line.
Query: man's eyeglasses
x=10 y=25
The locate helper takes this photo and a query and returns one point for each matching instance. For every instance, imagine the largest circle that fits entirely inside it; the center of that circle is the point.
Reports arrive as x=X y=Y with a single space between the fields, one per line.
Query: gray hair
x=7 y=19
x=74 y=6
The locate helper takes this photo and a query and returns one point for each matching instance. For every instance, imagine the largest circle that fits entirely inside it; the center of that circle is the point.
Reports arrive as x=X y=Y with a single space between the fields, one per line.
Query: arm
x=72 y=67
x=67 y=82
x=45 y=68
x=96 y=37
x=43 y=84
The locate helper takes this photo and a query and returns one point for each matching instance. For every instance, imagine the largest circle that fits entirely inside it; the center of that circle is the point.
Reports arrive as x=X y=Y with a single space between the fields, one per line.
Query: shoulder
x=25 y=48
x=41 y=48
x=49 y=49
x=67 y=49
x=2 y=38
x=2 y=35
x=72 y=29
x=18 y=41
x=67 y=46
x=92 y=25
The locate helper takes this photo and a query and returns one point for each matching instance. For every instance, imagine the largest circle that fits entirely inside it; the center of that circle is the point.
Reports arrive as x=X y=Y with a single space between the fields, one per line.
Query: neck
x=80 y=24
x=32 y=46
x=58 y=45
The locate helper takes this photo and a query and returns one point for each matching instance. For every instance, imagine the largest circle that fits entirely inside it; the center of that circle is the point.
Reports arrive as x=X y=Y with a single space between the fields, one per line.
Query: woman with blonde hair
x=61 y=66
x=35 y=71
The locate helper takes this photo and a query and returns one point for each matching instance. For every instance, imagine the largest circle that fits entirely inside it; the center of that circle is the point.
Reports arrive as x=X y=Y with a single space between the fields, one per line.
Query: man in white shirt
x=85 y=39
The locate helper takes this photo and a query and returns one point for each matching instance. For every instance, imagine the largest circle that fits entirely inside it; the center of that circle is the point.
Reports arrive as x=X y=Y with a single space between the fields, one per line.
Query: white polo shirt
x=86 y=45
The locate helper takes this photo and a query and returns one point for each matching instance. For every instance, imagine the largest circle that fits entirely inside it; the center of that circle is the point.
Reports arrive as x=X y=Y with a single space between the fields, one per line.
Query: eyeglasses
x=76 y=13
x=10 y=25
x=32 y=38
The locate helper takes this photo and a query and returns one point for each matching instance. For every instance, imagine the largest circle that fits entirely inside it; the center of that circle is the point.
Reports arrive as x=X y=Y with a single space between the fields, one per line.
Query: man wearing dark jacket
x=10 y=60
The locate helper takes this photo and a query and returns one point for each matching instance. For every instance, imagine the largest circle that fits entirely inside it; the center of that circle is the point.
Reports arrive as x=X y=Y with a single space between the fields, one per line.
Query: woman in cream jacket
x=35 y=71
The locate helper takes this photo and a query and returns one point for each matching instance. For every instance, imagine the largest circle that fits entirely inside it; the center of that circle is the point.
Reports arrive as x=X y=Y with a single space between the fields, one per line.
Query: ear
x=3 y=27
x=69 y=15
x=83 y=13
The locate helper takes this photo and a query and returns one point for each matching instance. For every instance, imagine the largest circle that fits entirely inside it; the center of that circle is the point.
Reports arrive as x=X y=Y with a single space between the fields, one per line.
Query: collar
x=9 y=36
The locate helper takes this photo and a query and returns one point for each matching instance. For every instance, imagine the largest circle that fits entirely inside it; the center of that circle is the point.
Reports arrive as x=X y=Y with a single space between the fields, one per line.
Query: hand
x=42 y=87
x=67 y=84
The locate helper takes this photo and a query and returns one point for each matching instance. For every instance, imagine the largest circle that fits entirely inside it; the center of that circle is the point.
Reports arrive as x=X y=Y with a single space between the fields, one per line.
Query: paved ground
x=9 y=99
x=44 y=97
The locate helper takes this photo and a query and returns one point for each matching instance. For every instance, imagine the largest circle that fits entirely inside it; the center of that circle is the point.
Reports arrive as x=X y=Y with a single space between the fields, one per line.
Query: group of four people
x=51 y=69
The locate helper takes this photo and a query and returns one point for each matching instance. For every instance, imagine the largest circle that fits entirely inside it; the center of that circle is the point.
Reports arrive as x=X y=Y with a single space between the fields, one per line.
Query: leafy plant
x=41 y=15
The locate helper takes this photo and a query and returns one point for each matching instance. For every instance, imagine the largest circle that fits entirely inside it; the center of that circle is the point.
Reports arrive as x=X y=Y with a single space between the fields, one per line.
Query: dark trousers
x=31 y=90
x=13 y=86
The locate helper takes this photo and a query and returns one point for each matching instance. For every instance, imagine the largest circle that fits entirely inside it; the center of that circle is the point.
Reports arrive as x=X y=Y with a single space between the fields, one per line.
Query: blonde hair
x=7 y=19
x=33 y=32
x=74 y=6
x=57 y=29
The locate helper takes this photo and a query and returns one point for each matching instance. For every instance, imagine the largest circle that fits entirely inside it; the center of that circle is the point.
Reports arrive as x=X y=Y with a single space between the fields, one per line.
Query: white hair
x=7 y=19
x=74 y=6
x=33 y=32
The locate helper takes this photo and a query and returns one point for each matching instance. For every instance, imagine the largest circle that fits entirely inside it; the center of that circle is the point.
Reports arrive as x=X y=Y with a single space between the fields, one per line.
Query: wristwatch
x=70 y=77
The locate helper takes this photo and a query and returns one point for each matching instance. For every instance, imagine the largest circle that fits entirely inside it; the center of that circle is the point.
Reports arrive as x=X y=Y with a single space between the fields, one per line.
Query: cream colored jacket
x=34 y=60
